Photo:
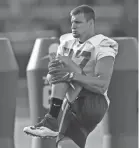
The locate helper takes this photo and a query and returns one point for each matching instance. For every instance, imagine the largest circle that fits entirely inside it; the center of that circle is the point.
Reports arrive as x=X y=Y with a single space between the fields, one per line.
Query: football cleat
x=46 y=128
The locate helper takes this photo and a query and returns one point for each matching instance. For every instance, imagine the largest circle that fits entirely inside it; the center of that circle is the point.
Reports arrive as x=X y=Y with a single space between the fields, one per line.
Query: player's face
x=79 y=25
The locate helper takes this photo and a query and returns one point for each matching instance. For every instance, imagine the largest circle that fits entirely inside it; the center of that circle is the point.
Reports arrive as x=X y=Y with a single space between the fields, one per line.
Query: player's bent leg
x=59 y=90
x=82 y=117
x=90 y=109
x=67 y=143
x=70 y=127
x=48 y=126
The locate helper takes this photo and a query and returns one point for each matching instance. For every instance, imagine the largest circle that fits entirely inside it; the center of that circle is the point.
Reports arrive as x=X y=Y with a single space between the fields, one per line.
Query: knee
x=67 y=143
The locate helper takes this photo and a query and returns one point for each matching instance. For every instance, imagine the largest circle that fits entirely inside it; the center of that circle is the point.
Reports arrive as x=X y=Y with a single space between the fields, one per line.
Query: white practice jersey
x=88 y=53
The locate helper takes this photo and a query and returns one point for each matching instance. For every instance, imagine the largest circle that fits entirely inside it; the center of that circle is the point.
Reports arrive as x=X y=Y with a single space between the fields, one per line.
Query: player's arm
x=105 y=57
x=100 y=82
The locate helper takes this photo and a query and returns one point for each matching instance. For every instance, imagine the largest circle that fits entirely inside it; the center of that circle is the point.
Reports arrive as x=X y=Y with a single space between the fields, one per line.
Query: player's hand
x=61 y=70
x=58 y=72
x=54 y=64
x=59 y=77
x=67 y=65
x=68 y=62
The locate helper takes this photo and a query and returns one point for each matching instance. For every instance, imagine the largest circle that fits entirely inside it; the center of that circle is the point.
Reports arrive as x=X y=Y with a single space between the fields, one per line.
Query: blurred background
x=22 y=21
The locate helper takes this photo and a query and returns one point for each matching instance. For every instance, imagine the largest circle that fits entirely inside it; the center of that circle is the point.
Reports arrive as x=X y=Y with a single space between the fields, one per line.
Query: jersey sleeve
x=64 y=42
x=107 y=47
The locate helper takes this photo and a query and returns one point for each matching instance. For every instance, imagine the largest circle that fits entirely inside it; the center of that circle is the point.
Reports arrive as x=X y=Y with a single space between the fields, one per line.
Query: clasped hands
x=61 y=70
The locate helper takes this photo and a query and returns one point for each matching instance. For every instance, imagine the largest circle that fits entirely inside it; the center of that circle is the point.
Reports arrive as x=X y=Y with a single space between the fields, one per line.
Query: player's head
x=82 y=20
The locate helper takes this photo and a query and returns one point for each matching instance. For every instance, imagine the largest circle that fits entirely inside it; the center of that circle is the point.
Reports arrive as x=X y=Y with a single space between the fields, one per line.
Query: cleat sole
x=43 y=137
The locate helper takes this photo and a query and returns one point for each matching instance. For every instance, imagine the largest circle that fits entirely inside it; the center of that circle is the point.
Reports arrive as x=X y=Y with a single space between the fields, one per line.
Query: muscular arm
x=103 y=71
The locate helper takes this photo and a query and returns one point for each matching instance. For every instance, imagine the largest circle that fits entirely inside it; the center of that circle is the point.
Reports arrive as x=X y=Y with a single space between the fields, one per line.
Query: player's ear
x=91 y=22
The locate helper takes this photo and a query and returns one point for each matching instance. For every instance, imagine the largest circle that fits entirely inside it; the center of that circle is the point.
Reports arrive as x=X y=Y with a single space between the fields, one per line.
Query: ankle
x=55 y=107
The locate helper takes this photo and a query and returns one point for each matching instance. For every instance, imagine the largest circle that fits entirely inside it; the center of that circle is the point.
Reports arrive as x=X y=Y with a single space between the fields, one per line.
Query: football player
x=80 y=75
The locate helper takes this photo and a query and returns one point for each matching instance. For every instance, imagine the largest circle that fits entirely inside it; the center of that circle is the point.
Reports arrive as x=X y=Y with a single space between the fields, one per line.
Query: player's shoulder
x=67 y=38
x=103 y=41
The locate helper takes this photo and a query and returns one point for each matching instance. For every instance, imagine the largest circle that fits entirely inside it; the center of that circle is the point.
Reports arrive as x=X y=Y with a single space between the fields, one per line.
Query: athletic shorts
x=81 y=117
